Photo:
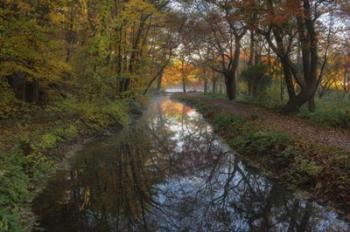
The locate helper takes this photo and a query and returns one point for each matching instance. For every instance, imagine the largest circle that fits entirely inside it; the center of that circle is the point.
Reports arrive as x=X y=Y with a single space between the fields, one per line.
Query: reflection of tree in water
x=108 y=188
x=170 y=173
x=209 y=189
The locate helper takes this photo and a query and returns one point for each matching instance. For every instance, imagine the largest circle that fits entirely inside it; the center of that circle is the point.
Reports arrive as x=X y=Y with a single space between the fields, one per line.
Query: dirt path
x=296 y=127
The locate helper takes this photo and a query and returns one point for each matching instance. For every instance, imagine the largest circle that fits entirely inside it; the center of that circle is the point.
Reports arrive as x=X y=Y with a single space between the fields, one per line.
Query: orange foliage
x=174 y=73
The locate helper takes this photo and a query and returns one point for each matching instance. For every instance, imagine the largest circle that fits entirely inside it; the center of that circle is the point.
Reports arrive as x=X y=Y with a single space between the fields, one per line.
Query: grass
x=322 y=171
x=25 y=145
x=332 y=110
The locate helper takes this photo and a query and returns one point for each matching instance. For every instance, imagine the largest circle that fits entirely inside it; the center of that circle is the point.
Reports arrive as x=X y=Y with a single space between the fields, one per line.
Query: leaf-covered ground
x=294 y=126
x=297 y=152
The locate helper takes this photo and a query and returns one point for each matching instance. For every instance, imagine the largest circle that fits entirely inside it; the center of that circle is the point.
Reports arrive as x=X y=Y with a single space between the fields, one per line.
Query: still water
x=170 y=172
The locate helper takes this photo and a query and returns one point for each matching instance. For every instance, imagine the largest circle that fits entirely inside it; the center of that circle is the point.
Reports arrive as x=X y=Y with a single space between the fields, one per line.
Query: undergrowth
x=331 y=111
x=26 y=162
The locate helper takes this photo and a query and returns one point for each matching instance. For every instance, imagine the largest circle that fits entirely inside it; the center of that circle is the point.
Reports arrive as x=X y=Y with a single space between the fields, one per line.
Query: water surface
x=170 y=172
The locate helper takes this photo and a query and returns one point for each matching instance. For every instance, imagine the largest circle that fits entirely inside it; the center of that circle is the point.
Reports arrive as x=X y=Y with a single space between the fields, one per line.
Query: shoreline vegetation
x=33 y=150
x=295 y=162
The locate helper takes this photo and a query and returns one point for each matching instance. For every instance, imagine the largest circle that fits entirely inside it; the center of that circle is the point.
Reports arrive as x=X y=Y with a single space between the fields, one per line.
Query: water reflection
x=169 y=172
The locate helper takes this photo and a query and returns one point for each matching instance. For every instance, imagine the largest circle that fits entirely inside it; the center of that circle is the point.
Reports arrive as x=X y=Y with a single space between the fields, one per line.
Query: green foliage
x=338 y=118
x=99 y=113
x=8 y=220
x=66 y=132
x=341 y=160
x=230 y=123
x=333 y=110
x=262 y=143
x=222 y=120
x=9 y=105
x=256 y=79
x=13 y=178
x=17 y=171
x=307 y=167
x=25 y=37
x=13 y=190
x=48 y=141
x=269 y=99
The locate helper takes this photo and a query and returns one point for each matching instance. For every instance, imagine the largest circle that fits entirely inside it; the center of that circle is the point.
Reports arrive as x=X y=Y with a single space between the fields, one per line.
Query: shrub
x=47 y=141
x=66 y=132
x=256 y=79
x=13 y=190
x=262 y=143
x=329 y=117
x=307 y=167
x=341 y=160
x=222 y=120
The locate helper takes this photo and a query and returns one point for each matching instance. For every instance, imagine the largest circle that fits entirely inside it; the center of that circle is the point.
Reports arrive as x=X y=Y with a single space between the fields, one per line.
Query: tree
x=289 y=25
x=26 y=34
x=224 y=32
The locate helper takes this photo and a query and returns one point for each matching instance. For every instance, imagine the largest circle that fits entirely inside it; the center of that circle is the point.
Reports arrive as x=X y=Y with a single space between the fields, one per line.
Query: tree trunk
x=252 y=48
x=230 y=84
x=293 y=105
x=250 y=87
x=183 y=84
x=311 y=104
x=255 y=88
x=205 y=85
x=214 y=82
x=159 y=83
x=281 y=89
x=230 y=74
x=183 y=75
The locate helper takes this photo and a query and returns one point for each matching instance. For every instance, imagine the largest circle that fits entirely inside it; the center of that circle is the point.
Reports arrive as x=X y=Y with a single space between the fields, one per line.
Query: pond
x=168 y=171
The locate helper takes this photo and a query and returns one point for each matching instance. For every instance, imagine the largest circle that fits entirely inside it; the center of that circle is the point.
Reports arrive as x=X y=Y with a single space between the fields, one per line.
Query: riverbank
x=294 y=151
x=32 y=146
